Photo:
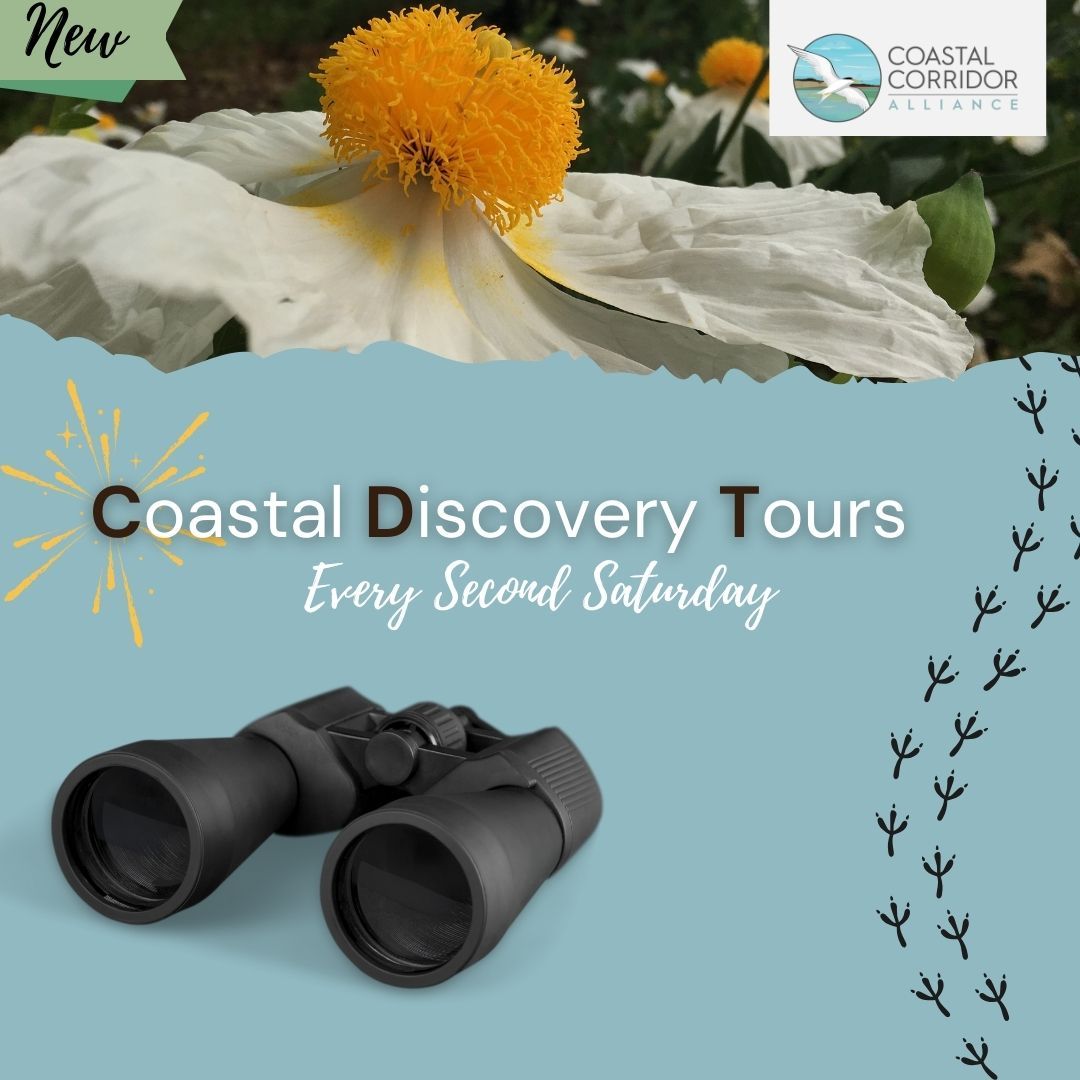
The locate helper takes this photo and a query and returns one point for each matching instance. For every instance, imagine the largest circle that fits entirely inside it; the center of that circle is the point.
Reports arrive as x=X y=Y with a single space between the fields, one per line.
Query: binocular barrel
x=448 y=827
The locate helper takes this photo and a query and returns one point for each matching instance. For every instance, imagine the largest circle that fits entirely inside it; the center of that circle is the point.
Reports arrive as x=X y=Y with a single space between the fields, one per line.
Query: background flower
x=728 y=68
x=563 y=45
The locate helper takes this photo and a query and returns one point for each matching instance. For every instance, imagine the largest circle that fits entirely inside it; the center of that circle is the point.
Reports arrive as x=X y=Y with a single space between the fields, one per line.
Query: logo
x=95 y=468
x=837 y=77
x=929 y=68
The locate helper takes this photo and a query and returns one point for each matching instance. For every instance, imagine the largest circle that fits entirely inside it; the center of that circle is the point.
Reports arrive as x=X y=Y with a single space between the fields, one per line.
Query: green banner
x=47 y=47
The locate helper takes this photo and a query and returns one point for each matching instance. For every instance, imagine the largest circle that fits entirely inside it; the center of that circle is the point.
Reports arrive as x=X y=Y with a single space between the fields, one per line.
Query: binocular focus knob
x=390 y=757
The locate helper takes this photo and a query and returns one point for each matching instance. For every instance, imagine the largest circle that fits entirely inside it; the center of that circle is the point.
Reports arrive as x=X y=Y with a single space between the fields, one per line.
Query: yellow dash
x=48 y=545
x=215 y=540
x=95 y=608
x=110 y=571
x=80 y=415
x=189 y=476
x=66 y=480
x=174 y=559
x=29 y=478
x=188 y=432
x=168 y=474
x=26 y=582
x=106 y=457
x=157 y=539
x=28 y=540
x=51 y=455
x=133 y=615
x=115 y=427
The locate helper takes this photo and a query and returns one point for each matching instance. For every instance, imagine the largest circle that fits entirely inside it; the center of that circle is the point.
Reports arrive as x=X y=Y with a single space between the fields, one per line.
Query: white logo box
x=948 y=67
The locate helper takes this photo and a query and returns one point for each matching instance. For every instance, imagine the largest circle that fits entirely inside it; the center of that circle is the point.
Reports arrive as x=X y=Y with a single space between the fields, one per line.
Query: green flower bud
x=961 y=252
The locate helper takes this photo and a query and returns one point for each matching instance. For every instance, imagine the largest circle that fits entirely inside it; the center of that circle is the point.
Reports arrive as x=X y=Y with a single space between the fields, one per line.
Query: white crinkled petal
x=121 y=316
x=349 y=268
x=345 y=264
x=826 y=276
x=248 y=148
x=527 y=317
x=683 y=125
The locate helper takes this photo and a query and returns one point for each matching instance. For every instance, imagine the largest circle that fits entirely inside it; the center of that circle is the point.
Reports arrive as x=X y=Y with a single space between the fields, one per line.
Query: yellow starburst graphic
x=66 y=481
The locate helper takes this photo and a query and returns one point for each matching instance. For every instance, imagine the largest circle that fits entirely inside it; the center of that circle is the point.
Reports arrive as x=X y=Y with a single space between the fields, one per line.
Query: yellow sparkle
x=102 y=446
x=80 y=415
x=14 y=594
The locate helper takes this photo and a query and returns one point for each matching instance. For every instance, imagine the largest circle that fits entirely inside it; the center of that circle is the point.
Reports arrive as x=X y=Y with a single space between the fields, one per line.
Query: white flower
x=684 y=124
x=107 y=130
x=430 y=233
x=1028 y=145
x=648 y=71
x=983 y=301
x=638 y=102
x=728 y=67
x=151 y=114
x=563 y=45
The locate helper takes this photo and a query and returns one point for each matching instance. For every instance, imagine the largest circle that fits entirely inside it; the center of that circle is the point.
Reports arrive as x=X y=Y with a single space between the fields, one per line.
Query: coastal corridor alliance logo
x=923 y=68
x=837 y=77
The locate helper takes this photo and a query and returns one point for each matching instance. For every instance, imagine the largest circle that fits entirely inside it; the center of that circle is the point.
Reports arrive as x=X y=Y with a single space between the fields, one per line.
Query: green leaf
x=995 y=185
x=72 y=121
x=961 y=252
x=698 y=163
x=60 y=106
x=761 y=162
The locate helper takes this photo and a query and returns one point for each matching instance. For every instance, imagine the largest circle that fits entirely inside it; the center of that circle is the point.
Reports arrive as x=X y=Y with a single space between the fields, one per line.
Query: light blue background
x=722 y=920
x=850 y=58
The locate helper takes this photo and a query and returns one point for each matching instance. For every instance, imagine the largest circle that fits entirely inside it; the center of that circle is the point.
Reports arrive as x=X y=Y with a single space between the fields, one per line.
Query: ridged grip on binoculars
x=566 y=780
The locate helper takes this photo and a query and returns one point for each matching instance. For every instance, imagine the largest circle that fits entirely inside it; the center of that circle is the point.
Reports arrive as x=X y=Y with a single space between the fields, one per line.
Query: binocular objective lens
x=128 y=837
x=404 y=899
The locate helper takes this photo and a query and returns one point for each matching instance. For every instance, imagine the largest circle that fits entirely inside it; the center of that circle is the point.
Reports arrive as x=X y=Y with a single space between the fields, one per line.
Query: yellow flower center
x=106 y=121
x=733 y=63
x=564 y=33
x=431 y=96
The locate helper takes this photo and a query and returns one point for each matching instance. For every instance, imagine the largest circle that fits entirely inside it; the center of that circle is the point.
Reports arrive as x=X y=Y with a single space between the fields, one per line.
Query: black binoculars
x=448 y=826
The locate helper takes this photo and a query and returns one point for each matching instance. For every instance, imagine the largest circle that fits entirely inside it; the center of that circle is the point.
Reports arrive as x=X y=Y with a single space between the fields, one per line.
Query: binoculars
x=448 y=826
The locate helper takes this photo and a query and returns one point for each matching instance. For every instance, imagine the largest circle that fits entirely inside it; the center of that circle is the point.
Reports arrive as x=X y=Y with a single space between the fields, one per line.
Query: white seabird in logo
x=842 y=88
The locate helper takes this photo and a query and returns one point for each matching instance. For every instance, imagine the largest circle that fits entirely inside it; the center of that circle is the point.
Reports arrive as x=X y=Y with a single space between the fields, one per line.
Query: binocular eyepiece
x=448 y=826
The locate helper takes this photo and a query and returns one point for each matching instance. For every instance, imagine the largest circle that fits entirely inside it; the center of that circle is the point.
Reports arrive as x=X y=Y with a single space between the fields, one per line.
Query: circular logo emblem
x=837 y=77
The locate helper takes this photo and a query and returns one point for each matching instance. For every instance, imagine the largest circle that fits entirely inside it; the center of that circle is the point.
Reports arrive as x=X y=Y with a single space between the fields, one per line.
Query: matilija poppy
x=727 y=68
x=430 y=204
